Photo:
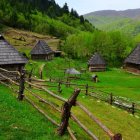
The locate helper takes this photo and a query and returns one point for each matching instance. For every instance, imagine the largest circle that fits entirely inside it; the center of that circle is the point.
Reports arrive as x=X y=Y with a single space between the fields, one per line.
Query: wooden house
x=96 y=63
x=132 y=62
x=42 y=51
x=10 y=58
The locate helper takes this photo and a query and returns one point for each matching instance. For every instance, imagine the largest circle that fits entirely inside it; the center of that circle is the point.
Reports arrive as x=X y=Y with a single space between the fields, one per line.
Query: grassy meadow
x=115 y=81
x=19 y=120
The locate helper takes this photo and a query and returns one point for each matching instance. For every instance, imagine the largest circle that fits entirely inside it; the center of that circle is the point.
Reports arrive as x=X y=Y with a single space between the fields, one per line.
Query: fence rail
x=117 y=101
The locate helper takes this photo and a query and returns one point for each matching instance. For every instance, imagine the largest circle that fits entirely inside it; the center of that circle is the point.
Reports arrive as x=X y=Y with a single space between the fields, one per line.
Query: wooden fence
x=66 y=113
x=117 y=101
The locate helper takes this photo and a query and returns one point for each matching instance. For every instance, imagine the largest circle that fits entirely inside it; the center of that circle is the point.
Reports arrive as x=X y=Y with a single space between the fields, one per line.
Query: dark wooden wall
x=11 y=67
x=42 y=57
x=94 y=68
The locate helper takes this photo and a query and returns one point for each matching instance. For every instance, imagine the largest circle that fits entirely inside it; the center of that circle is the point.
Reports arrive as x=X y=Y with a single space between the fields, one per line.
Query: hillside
x=126 y=21
x=21 y=121
x=42 y=16
x=28 y=127
x=24 y=41
x=24 y=121
x=78 y=46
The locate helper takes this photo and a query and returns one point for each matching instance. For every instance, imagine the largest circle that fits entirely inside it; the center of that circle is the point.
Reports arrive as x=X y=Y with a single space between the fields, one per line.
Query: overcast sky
x=86 y=6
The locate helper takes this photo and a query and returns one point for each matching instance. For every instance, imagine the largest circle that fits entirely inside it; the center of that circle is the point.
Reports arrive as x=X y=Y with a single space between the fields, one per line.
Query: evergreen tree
x=65 y=8
x=82 y=20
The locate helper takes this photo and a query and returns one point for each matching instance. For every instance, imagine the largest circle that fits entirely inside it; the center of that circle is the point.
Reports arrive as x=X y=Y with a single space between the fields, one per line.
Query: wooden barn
x=42 y=51
x=132 y=62
x=96 y=63
x=10 y=58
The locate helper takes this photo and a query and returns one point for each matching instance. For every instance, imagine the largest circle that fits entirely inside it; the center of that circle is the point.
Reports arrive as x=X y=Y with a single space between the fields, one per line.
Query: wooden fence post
x=21 y=85
x=50 y=78
x=67 y=83
x=30 y=77
x=41 y=75
x=133 y=108
x=59 y=86
x=111 y=99
x=87 y=89
x=66 y=112
x=117 y=137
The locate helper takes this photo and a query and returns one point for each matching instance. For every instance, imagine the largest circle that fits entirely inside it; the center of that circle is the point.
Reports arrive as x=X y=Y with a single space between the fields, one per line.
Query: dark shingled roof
x=96 y=59
x=9 y=55
x=41 y=48
x=134 y=56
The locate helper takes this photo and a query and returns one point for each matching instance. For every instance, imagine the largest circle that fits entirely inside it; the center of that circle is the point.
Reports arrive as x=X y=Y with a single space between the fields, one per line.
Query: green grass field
x=19 y=120
x=117 y=81
x=114 y=80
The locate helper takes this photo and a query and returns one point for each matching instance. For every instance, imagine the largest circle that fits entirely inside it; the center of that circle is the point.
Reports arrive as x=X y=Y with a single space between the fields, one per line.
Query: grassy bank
x=19 y=120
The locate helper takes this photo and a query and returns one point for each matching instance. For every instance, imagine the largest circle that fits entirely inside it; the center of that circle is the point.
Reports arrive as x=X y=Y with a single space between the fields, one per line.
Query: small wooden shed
x=132 y=62
x=96 y=63
x=42 y=51
x=10 y=58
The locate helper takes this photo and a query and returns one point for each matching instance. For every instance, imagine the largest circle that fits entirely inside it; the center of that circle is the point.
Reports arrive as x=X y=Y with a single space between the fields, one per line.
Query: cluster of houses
x=11 y=59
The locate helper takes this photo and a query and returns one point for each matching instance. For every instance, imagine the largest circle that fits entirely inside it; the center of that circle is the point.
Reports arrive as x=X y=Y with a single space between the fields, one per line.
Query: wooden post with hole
x=87 y=89
x=111 y=99
x=117 y=137
x=133 y=108
x=66 y=111
x=30 y=77
x=21 y=85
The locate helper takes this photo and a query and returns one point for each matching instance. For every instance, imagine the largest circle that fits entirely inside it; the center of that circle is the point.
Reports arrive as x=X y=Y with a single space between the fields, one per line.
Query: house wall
x=11 y=67
x=132 y=67
x=42 y=57
x=94 y=68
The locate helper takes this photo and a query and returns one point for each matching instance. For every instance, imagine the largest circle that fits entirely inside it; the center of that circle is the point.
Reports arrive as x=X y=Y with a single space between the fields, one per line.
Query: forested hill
x=127 y=21
x=43 y=16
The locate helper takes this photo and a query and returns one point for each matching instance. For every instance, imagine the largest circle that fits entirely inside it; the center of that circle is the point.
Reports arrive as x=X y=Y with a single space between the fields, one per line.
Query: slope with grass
x=21 y=114
x=18 y=120
x=24 y=41
x=116 y=81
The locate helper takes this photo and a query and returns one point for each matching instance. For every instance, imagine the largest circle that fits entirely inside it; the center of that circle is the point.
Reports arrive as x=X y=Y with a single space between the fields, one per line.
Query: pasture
x=19 y=120
x=115 y=81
